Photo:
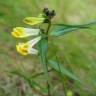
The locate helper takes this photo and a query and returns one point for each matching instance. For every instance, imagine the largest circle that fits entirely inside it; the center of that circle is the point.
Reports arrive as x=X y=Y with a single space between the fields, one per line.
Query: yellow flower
x=22 y=48
x=33 y=20
x=27 y=48
x=21 y=32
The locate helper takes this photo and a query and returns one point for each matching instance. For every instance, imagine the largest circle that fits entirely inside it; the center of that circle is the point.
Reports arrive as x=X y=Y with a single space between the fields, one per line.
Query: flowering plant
x=41 y=41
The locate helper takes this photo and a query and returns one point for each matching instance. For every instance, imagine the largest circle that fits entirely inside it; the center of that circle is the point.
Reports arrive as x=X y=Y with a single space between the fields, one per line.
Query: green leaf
x=61 y=30
x=42 y=47
x=79 y=26
x=62 y=70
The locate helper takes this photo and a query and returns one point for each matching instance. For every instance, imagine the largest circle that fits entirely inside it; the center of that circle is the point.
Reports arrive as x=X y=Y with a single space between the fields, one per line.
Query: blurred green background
x=77 y=50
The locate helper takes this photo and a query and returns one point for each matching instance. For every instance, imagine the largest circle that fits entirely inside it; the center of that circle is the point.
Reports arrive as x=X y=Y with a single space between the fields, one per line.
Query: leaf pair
x=63 y=70
x=43 y=45
x=62 y=29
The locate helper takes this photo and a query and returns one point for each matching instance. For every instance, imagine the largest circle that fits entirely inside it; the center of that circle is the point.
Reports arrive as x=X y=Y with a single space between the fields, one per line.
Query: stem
x=48 y=86
x=48 y=82
x=36 y=75
x=49 y=25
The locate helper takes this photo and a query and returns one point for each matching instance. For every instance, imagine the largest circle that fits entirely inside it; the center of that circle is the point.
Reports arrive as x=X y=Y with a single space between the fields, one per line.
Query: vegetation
x=75 y=52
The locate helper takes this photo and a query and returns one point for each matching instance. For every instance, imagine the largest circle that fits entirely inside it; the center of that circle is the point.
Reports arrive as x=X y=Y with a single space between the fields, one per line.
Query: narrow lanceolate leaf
x=62 y=70
x=62 y=30
x=79 y=25
x=42 y=47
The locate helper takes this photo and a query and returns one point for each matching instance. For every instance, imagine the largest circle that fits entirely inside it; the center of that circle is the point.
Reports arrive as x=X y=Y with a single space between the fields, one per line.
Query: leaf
x=81 y=25
x=62 y=70
x=42 y=47
x=61 y=30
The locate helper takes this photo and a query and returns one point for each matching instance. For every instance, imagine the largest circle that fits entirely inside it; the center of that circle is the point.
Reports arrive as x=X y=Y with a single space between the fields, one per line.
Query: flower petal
x=34 y=41
x=26 y=48
x=33 y=20
x=21 y=32
x=33 y=51
x=22 y=48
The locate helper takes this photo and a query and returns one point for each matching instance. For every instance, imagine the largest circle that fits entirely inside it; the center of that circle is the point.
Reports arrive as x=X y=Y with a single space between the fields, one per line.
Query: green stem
x=39 y=74
x=49 y=25
x=48 y=82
